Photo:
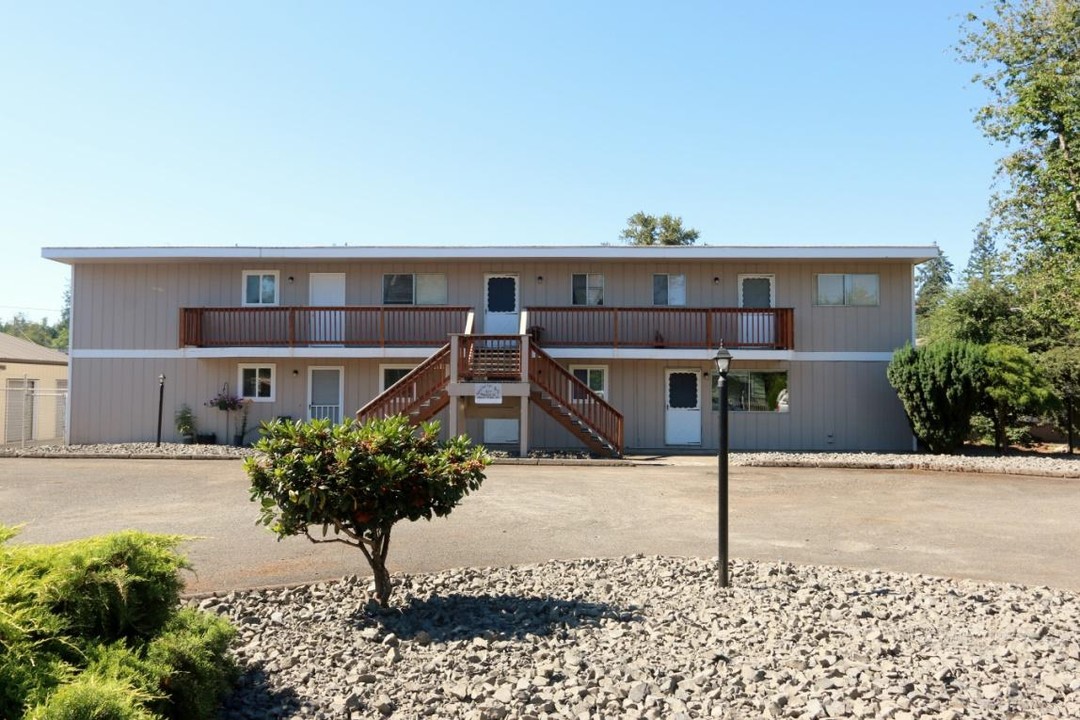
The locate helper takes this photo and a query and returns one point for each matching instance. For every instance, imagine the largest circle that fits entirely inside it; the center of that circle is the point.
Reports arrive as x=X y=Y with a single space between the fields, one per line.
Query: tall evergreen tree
x=984 y=264
x=932 y=280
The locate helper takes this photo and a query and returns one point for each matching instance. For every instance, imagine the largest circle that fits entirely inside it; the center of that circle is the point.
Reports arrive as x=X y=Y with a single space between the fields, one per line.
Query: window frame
x=667 y=290
x=245 y=274
x=747 y=373
x=383 y=387
x=846 y=282
x=272 y=367
x=444 y=299
x=603 y=369
x=588 y=286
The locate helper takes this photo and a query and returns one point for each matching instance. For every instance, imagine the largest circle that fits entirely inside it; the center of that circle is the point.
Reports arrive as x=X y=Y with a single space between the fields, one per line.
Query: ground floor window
x=390 y=374
x=257 y=382
x=593 y=376
x=754 y=390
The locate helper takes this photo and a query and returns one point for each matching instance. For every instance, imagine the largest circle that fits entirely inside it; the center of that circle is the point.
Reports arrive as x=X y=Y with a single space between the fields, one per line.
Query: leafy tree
x=940 y=387
x=642 y=229
x=1028 y=52
x=1061 y=365
x=979 y=313
x=1014 y=384
x=932 y=282
x=358 y=480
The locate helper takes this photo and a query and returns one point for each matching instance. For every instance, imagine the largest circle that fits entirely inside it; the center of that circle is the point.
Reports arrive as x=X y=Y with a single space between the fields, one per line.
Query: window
x=846 y=289
x=257 y=382
x=414 y=289
x=260 y=287
x=595 y=377
x=669 y=289
x=587 y=289
x=754 y=390
x=390 y=374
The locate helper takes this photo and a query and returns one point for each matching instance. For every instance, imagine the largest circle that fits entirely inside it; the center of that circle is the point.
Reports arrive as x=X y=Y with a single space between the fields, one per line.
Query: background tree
x=985 y=264
x=42 y=333
x=1028 y=52
x=1014 y=384
x=1061 y=365
x=932 y=282
x=642 y=229
x=940 y=387
x=359 y=480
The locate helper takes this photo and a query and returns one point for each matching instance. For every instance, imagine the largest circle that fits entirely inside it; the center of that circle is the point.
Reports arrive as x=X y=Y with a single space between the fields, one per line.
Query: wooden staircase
x=419 y=396
x=574 y=406
x=422 y=393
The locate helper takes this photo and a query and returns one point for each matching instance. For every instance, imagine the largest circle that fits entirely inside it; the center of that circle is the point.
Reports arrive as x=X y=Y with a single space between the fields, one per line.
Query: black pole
x=160 y=404
x=723 y=472
x=1069 y=422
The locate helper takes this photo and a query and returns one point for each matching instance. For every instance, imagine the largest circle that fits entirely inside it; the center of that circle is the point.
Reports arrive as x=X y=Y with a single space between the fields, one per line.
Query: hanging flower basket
x=227 y=402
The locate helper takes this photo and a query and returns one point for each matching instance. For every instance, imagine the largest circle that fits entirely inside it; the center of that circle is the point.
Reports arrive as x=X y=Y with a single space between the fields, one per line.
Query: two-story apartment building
x=553 y=347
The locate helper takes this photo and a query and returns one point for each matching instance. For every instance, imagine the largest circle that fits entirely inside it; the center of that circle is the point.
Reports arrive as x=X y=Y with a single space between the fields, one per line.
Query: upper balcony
x=411 y=326
x=353 y=326
x=664 y=327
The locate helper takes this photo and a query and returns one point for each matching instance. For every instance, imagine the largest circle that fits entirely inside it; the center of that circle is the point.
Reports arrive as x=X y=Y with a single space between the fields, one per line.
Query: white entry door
x=682 y=414
x=756 y=291
x=325 y=386
x=327 y=290
x=502 y=313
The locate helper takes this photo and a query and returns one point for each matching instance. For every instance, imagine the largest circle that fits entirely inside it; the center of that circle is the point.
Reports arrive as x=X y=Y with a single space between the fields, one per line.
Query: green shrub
x=358 y=480
x=121 y=649
x=940 y=387
x=193 y=651
x=91 y=697
x=124 y=585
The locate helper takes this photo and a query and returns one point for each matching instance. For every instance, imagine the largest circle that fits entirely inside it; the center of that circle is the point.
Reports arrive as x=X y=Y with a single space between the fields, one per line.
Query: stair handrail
x=597 y=413
x=409 y=391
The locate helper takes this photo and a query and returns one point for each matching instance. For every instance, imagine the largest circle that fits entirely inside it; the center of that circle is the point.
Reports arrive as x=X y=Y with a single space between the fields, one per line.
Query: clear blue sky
x=287 y=123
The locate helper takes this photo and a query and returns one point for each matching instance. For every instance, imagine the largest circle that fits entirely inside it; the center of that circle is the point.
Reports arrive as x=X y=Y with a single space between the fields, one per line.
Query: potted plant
x=185 y=424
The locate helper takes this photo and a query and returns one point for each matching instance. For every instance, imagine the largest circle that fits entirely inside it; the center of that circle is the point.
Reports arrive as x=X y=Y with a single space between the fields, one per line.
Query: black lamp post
x=723 y=363
x=160 y=404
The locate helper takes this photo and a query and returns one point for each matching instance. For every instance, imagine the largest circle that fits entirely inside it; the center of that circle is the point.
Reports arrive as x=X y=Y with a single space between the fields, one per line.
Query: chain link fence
x=32 y=416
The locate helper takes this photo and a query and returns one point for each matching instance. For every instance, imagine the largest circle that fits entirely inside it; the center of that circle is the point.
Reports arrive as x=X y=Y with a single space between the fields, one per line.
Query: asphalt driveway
x=986 y=527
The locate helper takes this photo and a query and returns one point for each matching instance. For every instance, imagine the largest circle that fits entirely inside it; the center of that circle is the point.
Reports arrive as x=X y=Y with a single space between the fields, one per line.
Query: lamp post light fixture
x=723 y=364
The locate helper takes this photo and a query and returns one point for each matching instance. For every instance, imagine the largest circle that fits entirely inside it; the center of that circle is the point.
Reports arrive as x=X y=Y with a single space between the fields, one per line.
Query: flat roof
x=77 y=255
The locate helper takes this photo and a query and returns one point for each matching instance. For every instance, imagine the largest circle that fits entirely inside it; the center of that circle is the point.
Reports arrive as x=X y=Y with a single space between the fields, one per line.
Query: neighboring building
x=537 y=347
x=33 y=404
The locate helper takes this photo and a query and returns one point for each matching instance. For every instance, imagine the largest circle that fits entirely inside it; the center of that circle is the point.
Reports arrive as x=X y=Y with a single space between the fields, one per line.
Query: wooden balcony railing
x=379 y=326
x=664 y=327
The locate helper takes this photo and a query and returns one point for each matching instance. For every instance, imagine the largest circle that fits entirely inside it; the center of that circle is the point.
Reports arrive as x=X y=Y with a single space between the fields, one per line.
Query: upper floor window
x=414 y=289
x=846 y=289
x=257 y=382
x=261 y=287
x=668 y=289
x=587 y=289
x=593 y=376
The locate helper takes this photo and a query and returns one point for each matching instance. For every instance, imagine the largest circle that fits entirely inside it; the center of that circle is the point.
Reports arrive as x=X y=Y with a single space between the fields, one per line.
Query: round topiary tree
x=358 y=480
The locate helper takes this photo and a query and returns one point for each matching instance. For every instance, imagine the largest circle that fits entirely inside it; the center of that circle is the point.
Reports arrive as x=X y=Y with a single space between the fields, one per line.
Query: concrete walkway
x=987 y=527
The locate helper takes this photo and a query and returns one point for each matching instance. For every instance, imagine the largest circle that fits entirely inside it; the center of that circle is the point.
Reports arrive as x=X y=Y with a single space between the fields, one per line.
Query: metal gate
x=32 y=416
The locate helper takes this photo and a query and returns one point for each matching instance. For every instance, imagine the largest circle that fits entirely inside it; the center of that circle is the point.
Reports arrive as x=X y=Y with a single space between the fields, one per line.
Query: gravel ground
x=648 y=637
x=1055 y=465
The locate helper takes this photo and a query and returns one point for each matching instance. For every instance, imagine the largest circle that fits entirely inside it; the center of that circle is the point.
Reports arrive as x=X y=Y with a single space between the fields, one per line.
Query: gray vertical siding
x=138 y=306
x=834 y=405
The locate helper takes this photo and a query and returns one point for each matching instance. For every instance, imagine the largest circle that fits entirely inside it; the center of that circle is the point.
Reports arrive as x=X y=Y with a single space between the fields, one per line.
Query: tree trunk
x=380 y=546
x=383 y=586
